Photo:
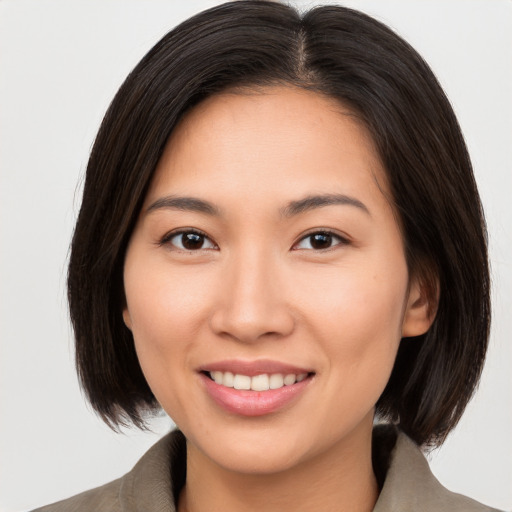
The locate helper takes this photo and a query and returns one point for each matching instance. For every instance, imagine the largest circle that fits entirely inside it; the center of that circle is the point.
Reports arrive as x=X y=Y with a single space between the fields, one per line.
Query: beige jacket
x=152 y=485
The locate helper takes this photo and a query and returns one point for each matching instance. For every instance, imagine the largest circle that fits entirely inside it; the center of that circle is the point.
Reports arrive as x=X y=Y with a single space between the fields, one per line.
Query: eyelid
x=343 y=239
x=166 y=239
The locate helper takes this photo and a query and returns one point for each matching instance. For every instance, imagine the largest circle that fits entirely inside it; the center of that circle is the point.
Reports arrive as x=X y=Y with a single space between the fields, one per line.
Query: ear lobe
x=127 y=318
x=421 y=308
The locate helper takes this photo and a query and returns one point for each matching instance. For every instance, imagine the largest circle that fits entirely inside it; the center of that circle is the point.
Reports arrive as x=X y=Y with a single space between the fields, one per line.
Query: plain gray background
x=61 y=62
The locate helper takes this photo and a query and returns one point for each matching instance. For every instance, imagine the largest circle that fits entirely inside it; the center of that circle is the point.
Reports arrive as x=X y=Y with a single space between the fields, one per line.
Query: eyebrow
x=291 y=209
x=184 y=203
x=319 y=201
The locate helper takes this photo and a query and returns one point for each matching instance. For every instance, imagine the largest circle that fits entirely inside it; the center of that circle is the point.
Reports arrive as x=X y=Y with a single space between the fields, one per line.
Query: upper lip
x=252 y=368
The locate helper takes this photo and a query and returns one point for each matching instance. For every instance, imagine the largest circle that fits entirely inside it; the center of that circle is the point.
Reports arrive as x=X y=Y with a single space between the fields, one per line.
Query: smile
x=262 y=382
x=256 y=388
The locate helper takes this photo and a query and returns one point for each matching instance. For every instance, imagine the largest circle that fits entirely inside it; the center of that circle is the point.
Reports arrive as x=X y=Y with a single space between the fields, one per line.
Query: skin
x=258 y=290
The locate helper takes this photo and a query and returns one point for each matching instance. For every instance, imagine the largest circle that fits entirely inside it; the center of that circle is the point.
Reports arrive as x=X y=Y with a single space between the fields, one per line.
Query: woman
x=280 y=240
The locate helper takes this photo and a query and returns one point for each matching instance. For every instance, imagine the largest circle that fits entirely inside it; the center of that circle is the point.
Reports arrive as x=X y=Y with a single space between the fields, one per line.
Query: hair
x=346 y=55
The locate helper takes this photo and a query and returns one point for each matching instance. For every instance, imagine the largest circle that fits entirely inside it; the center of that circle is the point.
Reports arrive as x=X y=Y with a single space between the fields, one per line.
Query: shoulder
x=104 y=498
x=151 y=485
x=409 y=484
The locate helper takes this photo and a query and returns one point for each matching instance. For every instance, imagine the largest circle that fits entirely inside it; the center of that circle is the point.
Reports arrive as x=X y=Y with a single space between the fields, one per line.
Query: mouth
x=260 y=382
x=255 y=389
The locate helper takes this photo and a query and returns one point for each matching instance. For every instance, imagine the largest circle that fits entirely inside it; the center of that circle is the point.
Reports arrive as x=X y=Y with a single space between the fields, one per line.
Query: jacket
x=407 y=484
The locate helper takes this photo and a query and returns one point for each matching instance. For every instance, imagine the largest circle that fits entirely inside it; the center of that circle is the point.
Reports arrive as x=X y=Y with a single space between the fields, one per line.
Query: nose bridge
x=253 y=302
x=252 y=282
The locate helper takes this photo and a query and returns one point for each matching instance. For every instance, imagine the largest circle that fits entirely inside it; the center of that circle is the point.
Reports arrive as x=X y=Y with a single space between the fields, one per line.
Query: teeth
x=216 y=376
x=262 y=382
x=289 y=379
x=228 y=379
x=242 y=382
x=276 y=381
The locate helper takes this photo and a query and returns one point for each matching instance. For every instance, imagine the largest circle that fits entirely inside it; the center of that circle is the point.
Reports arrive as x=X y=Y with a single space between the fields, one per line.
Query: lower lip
x=253 y=403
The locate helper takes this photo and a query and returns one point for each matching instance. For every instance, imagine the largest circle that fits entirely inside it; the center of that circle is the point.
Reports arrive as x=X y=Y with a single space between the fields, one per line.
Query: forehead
x=266 y=142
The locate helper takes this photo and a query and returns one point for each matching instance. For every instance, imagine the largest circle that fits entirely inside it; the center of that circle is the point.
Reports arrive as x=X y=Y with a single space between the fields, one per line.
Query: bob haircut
x=340 y=53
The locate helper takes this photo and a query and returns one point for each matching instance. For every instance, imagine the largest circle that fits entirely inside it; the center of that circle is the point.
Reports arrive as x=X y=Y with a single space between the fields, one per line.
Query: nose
x=251 y=302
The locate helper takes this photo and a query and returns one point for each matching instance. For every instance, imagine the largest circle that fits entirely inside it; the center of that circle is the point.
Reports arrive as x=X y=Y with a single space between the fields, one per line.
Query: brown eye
x=320 y=240
x=189 y=241
x=192 y=241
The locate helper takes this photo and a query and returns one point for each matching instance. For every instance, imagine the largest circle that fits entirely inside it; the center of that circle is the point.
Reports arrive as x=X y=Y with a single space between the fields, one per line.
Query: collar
x=407 y=484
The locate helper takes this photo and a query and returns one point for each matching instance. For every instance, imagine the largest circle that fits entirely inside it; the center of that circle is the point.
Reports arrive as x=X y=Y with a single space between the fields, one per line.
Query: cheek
x=358 y=298
x=357 y=316
x=166 y=311
x=161 y=300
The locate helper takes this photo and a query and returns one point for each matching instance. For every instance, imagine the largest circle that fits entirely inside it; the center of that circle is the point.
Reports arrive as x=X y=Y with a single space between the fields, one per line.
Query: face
x=266 y=284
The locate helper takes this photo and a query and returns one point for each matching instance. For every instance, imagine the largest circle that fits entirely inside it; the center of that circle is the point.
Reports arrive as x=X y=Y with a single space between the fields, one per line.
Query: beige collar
x=409 y=485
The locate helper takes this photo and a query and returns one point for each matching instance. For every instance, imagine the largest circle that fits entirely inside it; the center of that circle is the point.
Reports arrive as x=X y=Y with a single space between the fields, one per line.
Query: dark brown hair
x=346 y=55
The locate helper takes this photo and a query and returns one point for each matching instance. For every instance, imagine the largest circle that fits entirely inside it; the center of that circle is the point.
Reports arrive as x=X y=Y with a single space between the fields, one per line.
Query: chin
x=260 y=450
x=257 y=461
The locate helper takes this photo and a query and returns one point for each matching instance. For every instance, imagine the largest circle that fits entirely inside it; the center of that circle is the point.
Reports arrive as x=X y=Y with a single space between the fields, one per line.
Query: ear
x=127 y=318
x=421 y=307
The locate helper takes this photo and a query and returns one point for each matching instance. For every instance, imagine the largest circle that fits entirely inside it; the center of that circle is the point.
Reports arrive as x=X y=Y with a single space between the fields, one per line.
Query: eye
x=320 y=240
x=189 y=240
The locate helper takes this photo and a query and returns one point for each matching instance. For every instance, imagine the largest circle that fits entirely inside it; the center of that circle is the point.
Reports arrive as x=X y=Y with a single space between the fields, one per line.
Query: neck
x=342 y=478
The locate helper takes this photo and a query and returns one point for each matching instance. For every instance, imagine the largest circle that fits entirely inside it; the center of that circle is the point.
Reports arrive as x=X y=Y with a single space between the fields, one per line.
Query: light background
x=60 y=64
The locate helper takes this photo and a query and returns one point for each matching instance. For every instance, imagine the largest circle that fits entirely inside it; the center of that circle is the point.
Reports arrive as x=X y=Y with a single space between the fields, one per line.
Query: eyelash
x=324 y=232
x=188 y=231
